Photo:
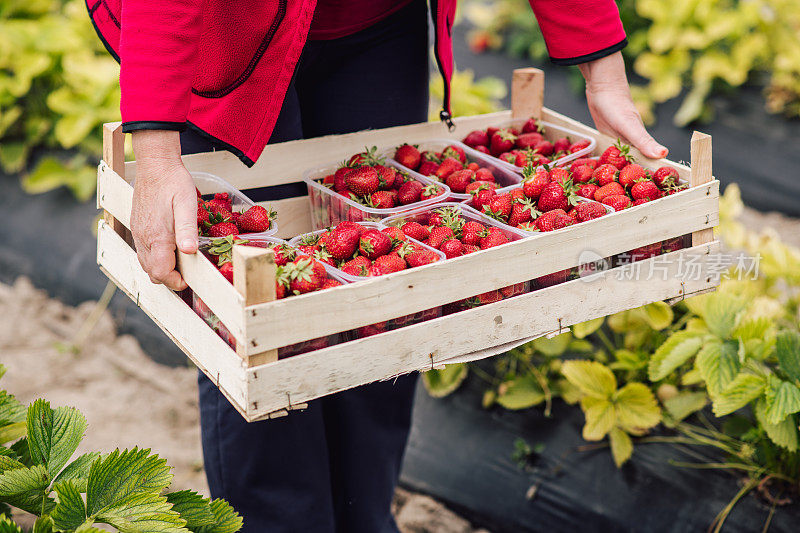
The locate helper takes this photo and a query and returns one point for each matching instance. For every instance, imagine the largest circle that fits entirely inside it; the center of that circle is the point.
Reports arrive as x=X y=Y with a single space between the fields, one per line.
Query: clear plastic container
x=209 y=184
x=328 y=207
x=391 y=324
x=422 y=216
x=551 y=133
x=211 y=319
x=504 y=176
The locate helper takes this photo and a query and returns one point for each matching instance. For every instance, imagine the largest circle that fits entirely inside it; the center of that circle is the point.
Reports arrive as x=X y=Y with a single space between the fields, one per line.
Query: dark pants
x=334 y=466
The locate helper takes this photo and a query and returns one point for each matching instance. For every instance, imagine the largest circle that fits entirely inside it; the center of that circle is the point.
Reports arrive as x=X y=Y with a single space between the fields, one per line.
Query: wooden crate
x=260 y=386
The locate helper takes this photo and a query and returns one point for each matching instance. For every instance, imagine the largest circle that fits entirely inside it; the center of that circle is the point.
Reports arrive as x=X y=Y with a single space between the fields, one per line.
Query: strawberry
x=665 y=177
x=456 y=152
x=430 y=191
x=256 y=219
x=605 y=174
x=387 y=177
x=226 y=269
x=439 y=235
x=559 y=174
x=494 y=237
x=476 y=186
x=617 y=155
x=330 y=283
x=305 y=275
x=408 y=155
x=476 y=138
x=499 y=207
x=608 y=190
x=561 y=145
x=421 y=257
x=581 y=173
x=544 y=148
x=640 y=201
x=368 y=157
x=535 y=181
x=356 y=263
x=409 y=193
x=531 y=126
x=390 y=263
x=517 y=195
x=645 y=252
x=631 y=174
x=339 y=183
x=471 y=249
x=645 y=189
x=222 y=229
x=591 y=163
x=562 y=221
x=510 y=157
x=481 y=197
x=374 y=244
x=428 y=168
x=458 y=180
x=617 y=201
x=382 y=199
x=529 y=140
x=452 y=248
x=283 y=254
x=415 y=230
x=395 y=234
x=547 y=220
x=580 y=145
x=555 y=195
x=447 y=167
x=589 y=211
x=502 y=141
x=472 y=232
x=587 y=190
x=482 y=149
x=553 y=279
x=219 y=204
x=363 y=180
x=343 y=241
x=484 y=174
x=522 y=212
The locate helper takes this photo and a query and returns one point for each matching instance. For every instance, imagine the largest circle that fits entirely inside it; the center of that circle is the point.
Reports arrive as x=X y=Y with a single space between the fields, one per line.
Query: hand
x=611 y=105
x=164 y=212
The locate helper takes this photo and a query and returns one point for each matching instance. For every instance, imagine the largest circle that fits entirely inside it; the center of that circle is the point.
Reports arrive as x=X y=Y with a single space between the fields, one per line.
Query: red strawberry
x=528 y=226
x=452 y=248
x=219 y=205
x=665 y=177
x=589 y=211
x=522 y=212
x=421 y=257
x=458 y=180
x=645 y=252
x=390 y=263
x=456 y=152
x=561 y=145
x=499 y=207
x=484 y=174
x=562 y=221
x=494 y=237
x=470 y=249
x=502 y=141
x=605 y=174
x=617 y=155
x=476 y=186
x=415 y=230
x=559 y=174
x=547 y=220
x=640 y=201
x=581 y=173
x=387 y=177
x=531 y=126
x=631 y=174
x=430 y=191
x=476 y=138
x=283 y=254
x=339 y=183
x=472 y=232
x=544 y=148
x=517 y=195
x=396 y=234
x=382 y=199
x=356 y=264
x=587 y=190
x=223 y=229
x=226 y=269
x=409 y=192
x=374 y=243
x=591 y=163
x=255 y=220
x=645 y=189
x=408 y=156
x=529 y=140
x=617 y=201
x=367 y=157
x=553 y=279
x=439 y=235
x=580 y=145
x=510 y=157
x=448 y=166
x=363 y=180
x=343 y=241
x=305 y=275
x=482 y=196
x=555 y=195
x=330 y=283
x=482 y=149
x=610 y=189
x=428 y=168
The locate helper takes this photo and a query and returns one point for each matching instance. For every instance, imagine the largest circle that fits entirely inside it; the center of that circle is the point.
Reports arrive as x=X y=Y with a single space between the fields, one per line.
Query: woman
x=235 y=75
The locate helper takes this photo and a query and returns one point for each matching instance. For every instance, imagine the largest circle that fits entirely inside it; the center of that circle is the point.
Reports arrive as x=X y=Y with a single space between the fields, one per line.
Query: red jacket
x=223 y=66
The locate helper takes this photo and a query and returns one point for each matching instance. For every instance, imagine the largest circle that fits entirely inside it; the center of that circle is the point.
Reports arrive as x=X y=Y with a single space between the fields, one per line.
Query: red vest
x=223 y=66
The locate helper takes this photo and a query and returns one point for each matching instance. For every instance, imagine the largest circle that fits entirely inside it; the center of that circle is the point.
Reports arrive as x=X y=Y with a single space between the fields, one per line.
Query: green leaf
x=628 y=360
x=568 y=392
x=584 y=329
x=11 y=410
x=621 y=446
x=11 y=432
x=684 y=404
x=143 y=511
x=54 y=434
x=78 y=470
x=70 y=512
x=658 y=315
x=440 y=383
x=787 y=349
x=8 y=526
x=9 y=463
x=718 y=363
x=721 y=311
x=555 y=346
x=783 y=434
x=783 y=399
x=674 y=352
x=192 y=507
x=600 y=417
x=25 y=488
x=590 y=377
x=43 y=524
x=520 y=393
x=226 y=520
x=580 y=346
x=754 y=328
x=120 y=474
x=636 y=407
x=741 y=391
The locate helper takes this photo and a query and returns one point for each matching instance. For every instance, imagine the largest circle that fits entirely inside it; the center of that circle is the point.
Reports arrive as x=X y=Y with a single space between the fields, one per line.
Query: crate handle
x=701 y=173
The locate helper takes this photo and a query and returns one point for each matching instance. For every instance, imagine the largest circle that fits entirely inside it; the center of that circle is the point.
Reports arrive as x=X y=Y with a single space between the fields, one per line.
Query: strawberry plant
x=122 y=489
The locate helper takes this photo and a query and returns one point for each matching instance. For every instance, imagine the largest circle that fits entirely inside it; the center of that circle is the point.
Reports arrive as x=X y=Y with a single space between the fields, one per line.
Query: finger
x=634 y=131
x=185 y=213
x=161 y=260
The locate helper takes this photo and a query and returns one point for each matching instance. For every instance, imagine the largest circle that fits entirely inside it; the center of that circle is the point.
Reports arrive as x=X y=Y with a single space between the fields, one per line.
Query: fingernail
x=188 y=244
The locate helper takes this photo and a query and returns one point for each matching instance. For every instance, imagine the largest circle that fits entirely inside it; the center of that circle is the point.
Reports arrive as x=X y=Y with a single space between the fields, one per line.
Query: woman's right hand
x=164 y=212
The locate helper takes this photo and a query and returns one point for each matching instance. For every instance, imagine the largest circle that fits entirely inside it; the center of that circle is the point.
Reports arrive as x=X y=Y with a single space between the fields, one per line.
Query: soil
x=128 y=399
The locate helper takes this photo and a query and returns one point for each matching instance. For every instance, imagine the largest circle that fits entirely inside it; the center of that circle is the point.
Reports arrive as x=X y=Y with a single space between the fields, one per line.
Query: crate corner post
x=527 y=93
x=254 y=273
x=701 y=173
x=114 y=157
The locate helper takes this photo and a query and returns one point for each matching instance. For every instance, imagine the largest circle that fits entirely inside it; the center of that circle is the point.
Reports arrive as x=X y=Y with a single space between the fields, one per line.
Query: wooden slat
x=527 y=93
x=294 y=216
x=187 y=330
x=275 y=324
x=114 y=156
x=308 y=376
x=701 y=173
x=114 y=194
x=254 y=279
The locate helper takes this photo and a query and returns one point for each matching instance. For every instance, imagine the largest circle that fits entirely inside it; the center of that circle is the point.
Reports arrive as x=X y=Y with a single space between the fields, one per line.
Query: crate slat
x=275 y=324
x=254 y=278
x=187 y=330
x=312 y=375
x=701 y=173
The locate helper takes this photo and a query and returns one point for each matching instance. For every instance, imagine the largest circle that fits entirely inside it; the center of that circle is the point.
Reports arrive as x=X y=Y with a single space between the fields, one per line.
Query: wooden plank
x=187 y=330
x=701 y=173
x=114 y=156
x=294 y=216
x=273 y=325
x=114 y=194
x=527 y=93
x=254 y=279
x=308 y=376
